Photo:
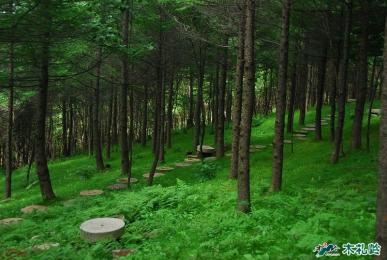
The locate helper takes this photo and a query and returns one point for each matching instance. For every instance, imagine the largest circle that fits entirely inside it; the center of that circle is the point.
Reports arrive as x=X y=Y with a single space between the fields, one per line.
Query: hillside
x=188 y=215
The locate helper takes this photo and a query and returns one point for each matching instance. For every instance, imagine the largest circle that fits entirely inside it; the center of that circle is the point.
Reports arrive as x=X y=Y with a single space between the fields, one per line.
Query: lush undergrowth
x=188 y=216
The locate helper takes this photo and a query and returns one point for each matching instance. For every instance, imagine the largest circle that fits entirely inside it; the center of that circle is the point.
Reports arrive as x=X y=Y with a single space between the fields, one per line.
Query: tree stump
x=125 y=180
x=91 y=192
x=33 y=208
x=118 y=186
x=164 y=169
x=10 y=221
x=101 y=229
x=157 y=174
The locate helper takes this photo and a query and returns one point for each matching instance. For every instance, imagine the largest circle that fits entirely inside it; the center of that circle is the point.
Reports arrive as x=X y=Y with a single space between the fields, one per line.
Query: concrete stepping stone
x=287 y=141
x=192 y=160
x=228 y=154
x=44 y=247
x=164 y=169
x=260 y=146
x=91 y=192
x=157 y=174
x=118 y=186
x=125 y=180
x=206 y=149
x=310 y=125
x=376 y=111
x=324 y=123
x=33 y=208
x=122 y=252
x=193 y=156
x=299 y=135
x=309 y=129
x=182 y=165
x=351 y=100
x=300 y=132
x=209 y=159
x=97 y=229
x=302 y=138
x=14 y=253
x=10 y=221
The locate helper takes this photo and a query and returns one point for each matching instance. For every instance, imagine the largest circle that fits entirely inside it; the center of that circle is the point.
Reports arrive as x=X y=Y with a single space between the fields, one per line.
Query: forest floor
x=190 y=212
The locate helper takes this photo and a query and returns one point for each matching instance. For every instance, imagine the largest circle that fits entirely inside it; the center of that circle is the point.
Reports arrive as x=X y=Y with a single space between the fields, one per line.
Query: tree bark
x=64 y=127
x=145 y=117
x=9 y=163
x=40 y=128
x=123 y=114
x=221 y=103
x=237 y=105
x=381 y=213
x=170 y=114
x=320 y=90
x=96 y=118
x=343 y=87
x=363 y=74
x=243 y=197
x=292 y=100
x=281 y=103
x=109 y=125
x=303 y=86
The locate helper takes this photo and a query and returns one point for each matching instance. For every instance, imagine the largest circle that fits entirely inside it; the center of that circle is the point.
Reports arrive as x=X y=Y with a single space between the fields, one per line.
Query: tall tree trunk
x=237 y=105
x=40 y=128
x=320 y=90
x=162 y=116
x=216 y=100
x=243 y=199
x=96 y=118
x=221 y=101
x=8 y=163
x=170 y=114
x=343 y=87
x=70 y=141
x=281 y=103
x=109 y=125
x=381 y=213
x=145 y=117
x=373 y=89
x=123 y=114
x=363 y=74
x=303 y=86
x=333 y=94
x=199 y=99
x=292 y=100
x=191 y=101
x=114 y=118
x=64 y=127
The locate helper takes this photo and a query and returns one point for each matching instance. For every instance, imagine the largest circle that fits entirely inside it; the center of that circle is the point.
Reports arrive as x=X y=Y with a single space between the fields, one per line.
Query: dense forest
x=272 y=111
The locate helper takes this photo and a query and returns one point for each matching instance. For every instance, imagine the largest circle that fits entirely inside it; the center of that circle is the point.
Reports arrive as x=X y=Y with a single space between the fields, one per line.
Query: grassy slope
x=186 y=218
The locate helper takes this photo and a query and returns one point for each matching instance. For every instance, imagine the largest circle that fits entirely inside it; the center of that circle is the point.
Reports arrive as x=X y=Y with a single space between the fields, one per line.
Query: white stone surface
x=102 y=228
